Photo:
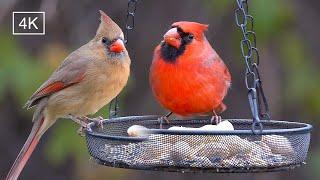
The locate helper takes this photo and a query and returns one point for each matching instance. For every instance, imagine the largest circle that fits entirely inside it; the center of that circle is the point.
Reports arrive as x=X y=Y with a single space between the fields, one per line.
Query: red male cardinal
x=187 y=76
x=89 y=78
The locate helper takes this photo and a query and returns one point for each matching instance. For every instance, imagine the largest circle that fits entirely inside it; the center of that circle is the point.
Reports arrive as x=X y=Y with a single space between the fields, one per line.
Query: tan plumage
x=88 y=79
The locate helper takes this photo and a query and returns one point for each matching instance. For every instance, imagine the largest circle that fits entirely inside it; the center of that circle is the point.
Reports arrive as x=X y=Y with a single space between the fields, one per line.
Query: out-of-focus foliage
x=276 y=26
x=218 y=7
x=65 y=141
x=272 y=18
x=314 y=158
x=302 y=76
x=19 y=72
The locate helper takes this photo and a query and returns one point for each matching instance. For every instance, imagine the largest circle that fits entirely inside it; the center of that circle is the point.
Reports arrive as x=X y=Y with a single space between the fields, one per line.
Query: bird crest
x=192 y=27
x=108 y=27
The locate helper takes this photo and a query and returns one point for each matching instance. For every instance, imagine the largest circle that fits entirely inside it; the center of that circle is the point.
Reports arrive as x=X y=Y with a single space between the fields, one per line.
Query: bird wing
x=219 y=67
x=223 y=69
x=70 y=72
x=226 y=73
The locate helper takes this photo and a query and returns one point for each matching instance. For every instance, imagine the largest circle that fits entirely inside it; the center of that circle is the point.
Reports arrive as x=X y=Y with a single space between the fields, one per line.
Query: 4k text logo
x=28 y=23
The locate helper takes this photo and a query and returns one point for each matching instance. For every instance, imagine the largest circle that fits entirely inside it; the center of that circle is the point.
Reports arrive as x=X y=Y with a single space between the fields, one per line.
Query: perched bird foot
x=216 y=119
x=161 y=121
x=98 y=121
x=164 y=118
x=82 y=122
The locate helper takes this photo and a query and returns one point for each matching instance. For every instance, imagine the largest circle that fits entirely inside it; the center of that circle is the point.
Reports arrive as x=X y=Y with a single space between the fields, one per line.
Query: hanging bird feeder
x=241 y=145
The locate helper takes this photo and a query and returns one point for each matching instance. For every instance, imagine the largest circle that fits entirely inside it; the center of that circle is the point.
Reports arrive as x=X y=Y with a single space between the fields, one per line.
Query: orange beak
x=173 y=38
x=117 y=46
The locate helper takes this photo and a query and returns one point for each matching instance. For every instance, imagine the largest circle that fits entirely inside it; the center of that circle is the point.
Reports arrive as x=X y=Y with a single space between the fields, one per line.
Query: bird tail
x=39 y=126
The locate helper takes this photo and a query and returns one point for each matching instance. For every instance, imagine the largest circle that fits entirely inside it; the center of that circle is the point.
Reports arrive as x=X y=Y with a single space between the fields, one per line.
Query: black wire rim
x=301 y=128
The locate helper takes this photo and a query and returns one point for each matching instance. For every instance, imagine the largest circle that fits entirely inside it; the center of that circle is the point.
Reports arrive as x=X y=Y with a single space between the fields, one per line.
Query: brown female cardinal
x=187 y=76
x=89 y=78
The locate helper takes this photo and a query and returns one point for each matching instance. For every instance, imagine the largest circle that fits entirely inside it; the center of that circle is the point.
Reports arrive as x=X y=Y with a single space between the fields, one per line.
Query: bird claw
x=81 y=131
x=81 y=121
x=216 y=119
x=166 y=118
x=163 y=118
x=98 y=121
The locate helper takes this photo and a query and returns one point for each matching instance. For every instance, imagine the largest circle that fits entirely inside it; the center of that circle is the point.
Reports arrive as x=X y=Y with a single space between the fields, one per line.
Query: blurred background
x=288 y=39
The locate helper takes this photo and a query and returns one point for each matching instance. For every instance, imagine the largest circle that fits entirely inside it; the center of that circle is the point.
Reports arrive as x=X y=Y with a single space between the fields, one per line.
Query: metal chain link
x=251 y=56
x=131 y=10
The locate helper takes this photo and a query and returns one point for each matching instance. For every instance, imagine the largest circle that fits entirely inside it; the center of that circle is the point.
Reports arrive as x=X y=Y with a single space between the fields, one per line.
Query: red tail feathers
x=26 y=151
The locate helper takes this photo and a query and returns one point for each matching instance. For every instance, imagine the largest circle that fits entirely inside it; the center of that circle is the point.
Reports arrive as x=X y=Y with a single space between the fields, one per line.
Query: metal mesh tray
x=281 y=145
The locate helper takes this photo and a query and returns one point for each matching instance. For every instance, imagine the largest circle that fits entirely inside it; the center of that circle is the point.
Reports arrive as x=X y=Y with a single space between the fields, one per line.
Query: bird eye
x=104 y=40
x=190 y=36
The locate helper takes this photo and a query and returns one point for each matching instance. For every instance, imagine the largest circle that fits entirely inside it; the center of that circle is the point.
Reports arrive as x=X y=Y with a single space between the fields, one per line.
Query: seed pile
x=203 y=152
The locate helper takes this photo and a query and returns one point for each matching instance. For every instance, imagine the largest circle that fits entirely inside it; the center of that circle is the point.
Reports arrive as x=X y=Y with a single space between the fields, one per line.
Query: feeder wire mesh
x=281 y=145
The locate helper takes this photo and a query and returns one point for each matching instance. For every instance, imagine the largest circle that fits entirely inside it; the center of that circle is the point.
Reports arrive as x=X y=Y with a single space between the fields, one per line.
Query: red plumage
x=193 y=82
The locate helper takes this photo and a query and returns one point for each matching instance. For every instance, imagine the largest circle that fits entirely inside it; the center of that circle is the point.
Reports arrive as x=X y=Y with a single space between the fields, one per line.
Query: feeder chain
x=131 y=10
x=257 y=99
